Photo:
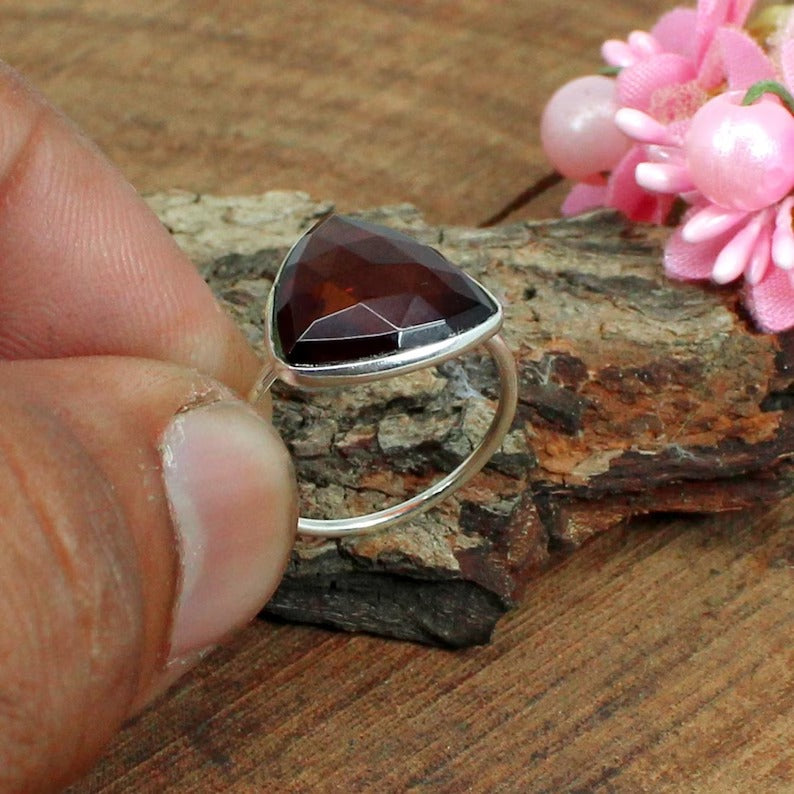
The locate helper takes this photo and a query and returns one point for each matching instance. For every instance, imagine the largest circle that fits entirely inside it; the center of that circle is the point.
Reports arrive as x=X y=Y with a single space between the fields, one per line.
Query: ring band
x=354 y=302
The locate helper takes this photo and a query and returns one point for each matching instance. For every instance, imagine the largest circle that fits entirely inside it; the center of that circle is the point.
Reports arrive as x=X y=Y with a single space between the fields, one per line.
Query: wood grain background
x=659 y=658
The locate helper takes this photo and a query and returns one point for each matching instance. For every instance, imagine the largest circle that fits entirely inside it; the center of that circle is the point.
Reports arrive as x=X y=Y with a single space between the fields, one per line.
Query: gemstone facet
x=350 y=290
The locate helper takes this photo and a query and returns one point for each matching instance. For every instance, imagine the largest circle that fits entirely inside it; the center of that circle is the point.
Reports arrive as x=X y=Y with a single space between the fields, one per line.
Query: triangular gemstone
x=351 y=290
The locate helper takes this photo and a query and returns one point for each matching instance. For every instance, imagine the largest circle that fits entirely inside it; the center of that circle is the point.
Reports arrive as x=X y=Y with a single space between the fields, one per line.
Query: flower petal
x=787 y=62
x=710 y=222
x=783 y=237
x=711 y=69
x=761 y=256
x=713 y=14
x=690 y=261
x=624 y=194
x=672 y=155
x=644 y=44
x=637 y=84
x=664 y=178
x=771 y=301
x=675 y=31
x=583 y=197
x=740 y=10
x=734 y=258
x=641 y=127
x=617 y=53
x=744 y=62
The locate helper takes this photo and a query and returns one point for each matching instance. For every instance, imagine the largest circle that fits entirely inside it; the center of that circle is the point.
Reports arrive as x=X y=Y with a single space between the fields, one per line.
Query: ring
x=355 y=302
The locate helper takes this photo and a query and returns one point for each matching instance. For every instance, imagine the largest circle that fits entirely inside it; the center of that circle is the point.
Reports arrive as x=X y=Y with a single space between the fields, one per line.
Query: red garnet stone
x=350 y=290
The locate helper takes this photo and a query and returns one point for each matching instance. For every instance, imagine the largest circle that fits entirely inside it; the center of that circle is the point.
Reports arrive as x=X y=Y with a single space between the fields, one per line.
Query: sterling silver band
x=381 y=519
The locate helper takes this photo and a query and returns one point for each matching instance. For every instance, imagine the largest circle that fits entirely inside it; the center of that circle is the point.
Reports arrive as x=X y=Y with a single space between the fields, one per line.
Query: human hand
x=145 y=510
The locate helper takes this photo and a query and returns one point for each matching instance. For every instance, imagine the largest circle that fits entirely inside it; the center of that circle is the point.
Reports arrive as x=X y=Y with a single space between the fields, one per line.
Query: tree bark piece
x=638 y=395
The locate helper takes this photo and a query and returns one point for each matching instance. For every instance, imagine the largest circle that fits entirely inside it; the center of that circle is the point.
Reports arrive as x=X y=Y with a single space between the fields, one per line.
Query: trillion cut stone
x=351 y=290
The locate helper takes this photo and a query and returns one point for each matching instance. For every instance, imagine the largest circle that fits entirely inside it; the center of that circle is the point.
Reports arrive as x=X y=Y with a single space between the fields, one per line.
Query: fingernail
x=232 y=496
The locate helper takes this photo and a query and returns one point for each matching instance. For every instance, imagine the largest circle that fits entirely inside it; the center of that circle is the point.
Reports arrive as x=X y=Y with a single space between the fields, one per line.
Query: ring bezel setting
x=367 y=370
x=340 y=246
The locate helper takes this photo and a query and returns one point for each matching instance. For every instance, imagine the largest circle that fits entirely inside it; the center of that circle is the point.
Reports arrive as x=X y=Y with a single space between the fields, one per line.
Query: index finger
x=85 y=267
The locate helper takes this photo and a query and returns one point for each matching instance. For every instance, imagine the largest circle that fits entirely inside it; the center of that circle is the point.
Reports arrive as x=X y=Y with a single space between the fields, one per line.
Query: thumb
x=145 y=512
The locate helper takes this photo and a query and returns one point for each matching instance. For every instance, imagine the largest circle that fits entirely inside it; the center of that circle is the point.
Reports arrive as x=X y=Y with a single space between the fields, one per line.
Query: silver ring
x=355 y=302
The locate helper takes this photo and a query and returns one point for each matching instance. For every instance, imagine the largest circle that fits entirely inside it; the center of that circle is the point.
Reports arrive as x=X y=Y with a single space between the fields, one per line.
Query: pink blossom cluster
x=699 y=115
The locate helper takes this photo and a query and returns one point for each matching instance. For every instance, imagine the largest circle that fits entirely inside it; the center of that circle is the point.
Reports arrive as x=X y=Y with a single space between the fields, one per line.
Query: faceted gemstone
x=351 y=290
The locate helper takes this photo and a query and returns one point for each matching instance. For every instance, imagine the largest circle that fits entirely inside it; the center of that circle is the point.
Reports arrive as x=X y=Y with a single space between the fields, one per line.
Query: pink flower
x=667 y=74
x=735 y=165
x=706 y=117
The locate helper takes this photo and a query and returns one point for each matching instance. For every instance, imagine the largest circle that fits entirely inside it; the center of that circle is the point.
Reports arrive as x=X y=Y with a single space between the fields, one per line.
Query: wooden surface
x=366 y=102
x=659 y=657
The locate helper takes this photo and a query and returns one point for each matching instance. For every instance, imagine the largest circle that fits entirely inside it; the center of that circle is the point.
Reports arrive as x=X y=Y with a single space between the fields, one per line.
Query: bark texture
x=638 y=395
